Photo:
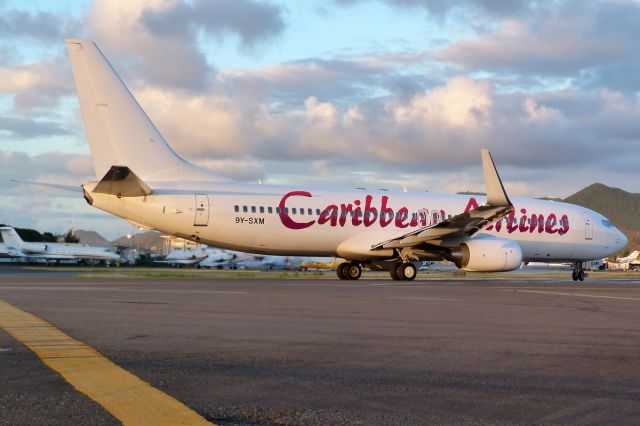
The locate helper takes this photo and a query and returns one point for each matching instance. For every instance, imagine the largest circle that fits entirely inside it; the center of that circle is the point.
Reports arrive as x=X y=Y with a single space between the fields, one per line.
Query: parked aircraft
x=141 y=179
x=626 y=263
x=184 y=257
x=203 y=257
x=17 y=248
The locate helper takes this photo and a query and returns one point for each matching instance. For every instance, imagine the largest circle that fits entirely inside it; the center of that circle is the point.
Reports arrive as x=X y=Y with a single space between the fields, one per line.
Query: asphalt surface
x=323 y=351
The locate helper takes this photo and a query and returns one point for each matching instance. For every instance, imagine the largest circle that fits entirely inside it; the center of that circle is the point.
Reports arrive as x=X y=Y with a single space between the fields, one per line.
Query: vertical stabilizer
x=11 y=237
x=118 y=130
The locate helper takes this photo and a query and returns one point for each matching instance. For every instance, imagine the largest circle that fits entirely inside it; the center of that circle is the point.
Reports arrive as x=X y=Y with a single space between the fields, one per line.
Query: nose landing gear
x=578 y=272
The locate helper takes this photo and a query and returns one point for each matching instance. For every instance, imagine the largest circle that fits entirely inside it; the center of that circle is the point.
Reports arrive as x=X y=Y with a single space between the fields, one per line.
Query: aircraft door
x=588 y=227
x=202 y=210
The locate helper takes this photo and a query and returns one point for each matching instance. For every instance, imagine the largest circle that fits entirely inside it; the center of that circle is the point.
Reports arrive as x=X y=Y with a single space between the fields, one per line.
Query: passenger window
x=236 y=208
x=245 y=209
x=253 y=209
x=261 y=209
x=318 y=212
x=293 y=210
x=309 y=212
x=277 y=210
x=270 y=209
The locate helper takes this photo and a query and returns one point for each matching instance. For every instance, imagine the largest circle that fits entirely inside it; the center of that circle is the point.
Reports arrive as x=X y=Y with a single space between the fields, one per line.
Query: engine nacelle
x=487 y=255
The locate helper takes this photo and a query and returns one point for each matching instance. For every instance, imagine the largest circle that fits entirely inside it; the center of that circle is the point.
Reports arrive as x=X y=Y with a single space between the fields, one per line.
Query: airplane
x=318 y=264
x=184 y=257
x=141 y=179
x=626 y=263
x=203 y=257
x=17 y=248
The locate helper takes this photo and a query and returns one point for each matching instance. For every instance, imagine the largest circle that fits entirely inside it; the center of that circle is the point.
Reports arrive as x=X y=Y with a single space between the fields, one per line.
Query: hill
x=620 y=206
x=90 y=237
x=149 y=240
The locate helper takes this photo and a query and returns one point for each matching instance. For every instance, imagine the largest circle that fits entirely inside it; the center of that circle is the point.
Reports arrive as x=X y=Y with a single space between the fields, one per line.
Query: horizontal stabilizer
x=122 y=182
x=72 y=188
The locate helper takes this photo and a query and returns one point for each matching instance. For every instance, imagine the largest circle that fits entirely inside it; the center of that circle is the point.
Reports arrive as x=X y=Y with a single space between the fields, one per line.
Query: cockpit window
x=607 y=223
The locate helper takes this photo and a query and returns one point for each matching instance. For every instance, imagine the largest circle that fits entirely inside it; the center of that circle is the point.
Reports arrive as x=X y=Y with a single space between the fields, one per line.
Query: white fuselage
x=326 y=222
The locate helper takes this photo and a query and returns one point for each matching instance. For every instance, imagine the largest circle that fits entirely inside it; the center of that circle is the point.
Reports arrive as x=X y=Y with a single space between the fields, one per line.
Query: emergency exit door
x=202 y=210
x=588 y=227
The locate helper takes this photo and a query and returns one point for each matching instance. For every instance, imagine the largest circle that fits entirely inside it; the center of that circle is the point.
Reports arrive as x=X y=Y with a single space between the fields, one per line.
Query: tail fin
x=11 y=237
x=118 y=130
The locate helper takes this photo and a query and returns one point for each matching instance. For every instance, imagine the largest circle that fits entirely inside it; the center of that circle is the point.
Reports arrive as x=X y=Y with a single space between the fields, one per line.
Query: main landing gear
x=578 y=272
x=349 y=271
x=405 y=271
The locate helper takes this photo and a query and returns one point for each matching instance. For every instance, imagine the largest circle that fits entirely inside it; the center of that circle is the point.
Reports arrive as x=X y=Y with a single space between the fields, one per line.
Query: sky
x=345 y=93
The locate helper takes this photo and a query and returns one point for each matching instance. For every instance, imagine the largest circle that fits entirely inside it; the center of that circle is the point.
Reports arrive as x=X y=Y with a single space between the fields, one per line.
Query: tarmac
x=301 y=351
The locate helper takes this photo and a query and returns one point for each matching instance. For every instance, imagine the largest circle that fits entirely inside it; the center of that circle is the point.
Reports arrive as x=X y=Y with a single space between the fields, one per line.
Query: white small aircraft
x=626 y=263
x=141 y=179
x=184 y=257
x=17 y=248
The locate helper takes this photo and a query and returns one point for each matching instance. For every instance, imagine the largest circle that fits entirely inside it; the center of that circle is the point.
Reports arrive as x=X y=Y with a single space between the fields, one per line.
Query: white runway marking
x=420 y=298
x=116 y=289
x=558 y=293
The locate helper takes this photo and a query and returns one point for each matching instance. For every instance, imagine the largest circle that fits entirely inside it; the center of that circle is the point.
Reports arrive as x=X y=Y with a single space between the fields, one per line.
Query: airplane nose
x=623 y=240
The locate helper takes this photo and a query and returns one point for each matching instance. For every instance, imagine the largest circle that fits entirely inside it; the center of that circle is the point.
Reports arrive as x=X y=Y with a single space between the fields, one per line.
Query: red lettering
x=357 y=214
x=329 y=214
x=472 y=204
x=345 y=209
x=564 y=225
x=284 y=216
x=537 y=220
x=551 y=222
x=512 y=226
x=370 y=213
x=401 y=216
x=523 y=221
x=386 y=213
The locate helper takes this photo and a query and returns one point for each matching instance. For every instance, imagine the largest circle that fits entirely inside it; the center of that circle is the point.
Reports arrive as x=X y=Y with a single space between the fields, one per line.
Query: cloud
x=36 y=25
x=252 y=21
x=442 y=7
x=159 y=38
x=592 y=43
x=26 y=128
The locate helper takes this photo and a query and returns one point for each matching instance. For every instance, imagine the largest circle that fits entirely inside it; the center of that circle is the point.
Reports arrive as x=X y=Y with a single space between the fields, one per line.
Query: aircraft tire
x=352 y=271
x=581 y=275
x=574 y=275
x=407 y=272
x=340 y=271
x=393 y=271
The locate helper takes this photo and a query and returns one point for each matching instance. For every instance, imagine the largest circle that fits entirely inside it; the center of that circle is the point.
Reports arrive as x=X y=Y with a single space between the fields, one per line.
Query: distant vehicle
x=16 y=248
x=321 y=264
x=139 y=177
x=627 y=263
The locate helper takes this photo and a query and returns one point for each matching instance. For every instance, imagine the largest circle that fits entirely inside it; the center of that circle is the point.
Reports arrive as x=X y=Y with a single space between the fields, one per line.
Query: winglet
x=496 y=195
x=122 y=182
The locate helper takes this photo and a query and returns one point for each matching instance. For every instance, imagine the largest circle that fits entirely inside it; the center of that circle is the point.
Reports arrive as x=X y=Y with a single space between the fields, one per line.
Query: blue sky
x=359 y=92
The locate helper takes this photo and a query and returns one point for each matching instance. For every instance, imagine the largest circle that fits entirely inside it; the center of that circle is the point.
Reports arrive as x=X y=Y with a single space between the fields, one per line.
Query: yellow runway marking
x=125 y=396
x=558 y=293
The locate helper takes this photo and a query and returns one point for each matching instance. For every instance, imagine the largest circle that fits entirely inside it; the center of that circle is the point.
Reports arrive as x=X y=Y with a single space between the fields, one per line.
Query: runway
x=245 y=351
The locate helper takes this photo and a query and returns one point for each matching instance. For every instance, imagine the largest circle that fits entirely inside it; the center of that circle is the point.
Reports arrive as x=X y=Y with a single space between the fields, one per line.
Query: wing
x=460 y=227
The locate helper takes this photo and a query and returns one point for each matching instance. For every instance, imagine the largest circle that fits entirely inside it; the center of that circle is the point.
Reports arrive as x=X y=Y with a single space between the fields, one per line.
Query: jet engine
x=487 y=255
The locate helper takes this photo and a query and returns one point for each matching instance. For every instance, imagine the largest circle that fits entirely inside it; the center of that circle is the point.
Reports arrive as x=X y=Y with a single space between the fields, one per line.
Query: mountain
x=621 y=207
x=149 y=240
x=90 y=237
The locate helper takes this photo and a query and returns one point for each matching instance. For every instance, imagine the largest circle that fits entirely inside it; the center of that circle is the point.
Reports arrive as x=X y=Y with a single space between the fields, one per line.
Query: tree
x=70 y=237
